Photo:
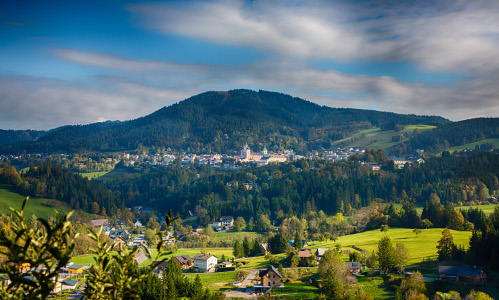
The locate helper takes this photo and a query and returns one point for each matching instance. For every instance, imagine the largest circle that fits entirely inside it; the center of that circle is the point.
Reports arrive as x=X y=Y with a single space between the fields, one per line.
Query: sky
x=79 y=62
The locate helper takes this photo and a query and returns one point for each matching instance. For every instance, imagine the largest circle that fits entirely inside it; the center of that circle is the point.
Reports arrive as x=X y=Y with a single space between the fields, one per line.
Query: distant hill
x=221 y=122
x=451 y=135
x=16 y=136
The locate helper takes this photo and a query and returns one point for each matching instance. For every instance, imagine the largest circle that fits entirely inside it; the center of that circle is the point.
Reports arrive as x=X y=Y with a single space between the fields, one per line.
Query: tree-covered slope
x=222 y=121
x=451 y=135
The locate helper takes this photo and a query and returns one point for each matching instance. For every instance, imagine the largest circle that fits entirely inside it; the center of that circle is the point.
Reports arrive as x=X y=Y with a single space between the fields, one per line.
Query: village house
x=354 y=267
x=205 y=262
x=464 y=273
x=303 y=243
x=304 y=253
x=227 y=221
x=320 y=253
x=185 y=261
x=75 y=269
x=270 y=277
x=68 y=284
x=137 y=224
x=99 y=223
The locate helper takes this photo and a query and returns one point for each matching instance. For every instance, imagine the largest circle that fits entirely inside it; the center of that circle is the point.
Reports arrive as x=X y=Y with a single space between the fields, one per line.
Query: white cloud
x=39 y=103
x=448 y=36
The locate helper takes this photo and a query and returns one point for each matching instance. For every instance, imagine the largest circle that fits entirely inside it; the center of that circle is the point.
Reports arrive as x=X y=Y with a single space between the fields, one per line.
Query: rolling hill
x=222 y=122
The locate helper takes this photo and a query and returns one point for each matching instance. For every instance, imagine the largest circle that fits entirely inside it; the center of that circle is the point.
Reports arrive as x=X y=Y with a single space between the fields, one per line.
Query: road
x=240 y=291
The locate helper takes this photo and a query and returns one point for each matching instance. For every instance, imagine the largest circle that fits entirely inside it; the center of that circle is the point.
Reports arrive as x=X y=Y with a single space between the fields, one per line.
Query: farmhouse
x=464 y=273
x=75 y=269
x=271 y=277
x=185 y=261
x=353 y=266
x=227 y=221
x=303 y=243
x=205 y=262
x=68 y=284
x=99 y=223
x=320 y=253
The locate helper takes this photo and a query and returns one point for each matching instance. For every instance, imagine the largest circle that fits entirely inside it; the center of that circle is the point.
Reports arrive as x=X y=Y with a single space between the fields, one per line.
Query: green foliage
x=412 y=287
x=385 y=254
x=445 y=245
x=43 y=251
x=278 y=243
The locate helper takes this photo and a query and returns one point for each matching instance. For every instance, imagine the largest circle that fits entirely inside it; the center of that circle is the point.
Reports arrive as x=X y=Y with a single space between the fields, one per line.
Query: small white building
x=205 y=262
x=227 y=221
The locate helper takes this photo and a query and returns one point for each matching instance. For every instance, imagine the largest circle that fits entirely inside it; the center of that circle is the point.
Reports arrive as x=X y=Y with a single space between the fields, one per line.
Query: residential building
x=99 y=223
x=227 y=221
x=270 y=277
x=75 y=269
x=205 y=262
x=464 y=273
x=185 y=261
x=354 y=266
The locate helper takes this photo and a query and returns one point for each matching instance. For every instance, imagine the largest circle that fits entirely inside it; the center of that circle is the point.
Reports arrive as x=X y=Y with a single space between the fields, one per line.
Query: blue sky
x=77 y=62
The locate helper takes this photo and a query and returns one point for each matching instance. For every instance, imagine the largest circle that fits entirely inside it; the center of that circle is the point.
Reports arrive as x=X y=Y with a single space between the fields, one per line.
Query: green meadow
x=487 y=209
x=93 y=175
x=376 y=138
x=42 y=208
x=494 y=142
x=421 y=247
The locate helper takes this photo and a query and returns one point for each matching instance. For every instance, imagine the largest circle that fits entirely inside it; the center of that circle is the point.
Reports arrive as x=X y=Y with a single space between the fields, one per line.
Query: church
x=262 y=158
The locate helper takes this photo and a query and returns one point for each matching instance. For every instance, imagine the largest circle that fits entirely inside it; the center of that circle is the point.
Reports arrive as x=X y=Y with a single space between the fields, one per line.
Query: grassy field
x=375 y=138
x=494 y=142
x=8 y=197
x=374 y=285
x=116 y=173
x=93 y=175
x=421 y=247
x=235 y=235
x=487 y=209
x=214 y=280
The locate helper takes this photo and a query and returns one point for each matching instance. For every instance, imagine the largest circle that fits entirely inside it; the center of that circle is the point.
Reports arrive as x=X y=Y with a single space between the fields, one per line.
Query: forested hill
x=221 y=122
x=451 y=134
x=16 y=136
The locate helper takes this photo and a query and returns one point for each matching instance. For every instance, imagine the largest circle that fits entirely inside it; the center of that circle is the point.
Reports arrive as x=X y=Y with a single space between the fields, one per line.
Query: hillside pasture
x=93 y=175
x=376 y=138
x=487 y=209
x=42 y=208
x=421 y=247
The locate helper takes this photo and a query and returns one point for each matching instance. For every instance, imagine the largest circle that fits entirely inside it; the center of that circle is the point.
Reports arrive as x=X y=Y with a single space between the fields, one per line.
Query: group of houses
x=464 y=273
x=198 y=263
x=65 y=281
x=223 y=223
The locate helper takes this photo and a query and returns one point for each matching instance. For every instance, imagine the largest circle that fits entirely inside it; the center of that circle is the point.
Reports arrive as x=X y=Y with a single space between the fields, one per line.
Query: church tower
x=245 y=152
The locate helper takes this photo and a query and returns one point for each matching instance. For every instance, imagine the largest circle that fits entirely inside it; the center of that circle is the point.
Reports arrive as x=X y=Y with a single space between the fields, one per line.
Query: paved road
x=249 y=279
x=240 y=291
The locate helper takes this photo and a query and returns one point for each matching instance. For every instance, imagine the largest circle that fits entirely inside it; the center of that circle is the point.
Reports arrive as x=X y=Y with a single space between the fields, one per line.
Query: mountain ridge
x=262 y=117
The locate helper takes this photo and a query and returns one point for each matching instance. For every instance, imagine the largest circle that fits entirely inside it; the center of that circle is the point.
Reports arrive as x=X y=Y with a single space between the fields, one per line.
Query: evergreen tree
x=445 y=245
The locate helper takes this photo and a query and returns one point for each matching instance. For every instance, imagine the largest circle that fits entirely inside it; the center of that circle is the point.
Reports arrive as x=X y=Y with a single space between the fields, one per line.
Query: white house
x=227 y=221
x=137 y=224
x=216 y=225
x=205 y=262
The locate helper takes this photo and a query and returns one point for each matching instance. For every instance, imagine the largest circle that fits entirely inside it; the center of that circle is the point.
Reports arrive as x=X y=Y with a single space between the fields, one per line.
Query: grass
x=42 y=208
x=494 y=142
x=296 y=290
x=116 y=173
x=375 y=138
x=211 y=279
x=487 y=209
x=374 y=285
x=421 y=247
x=83 y=260
x=93 y=175
x=221 y=236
